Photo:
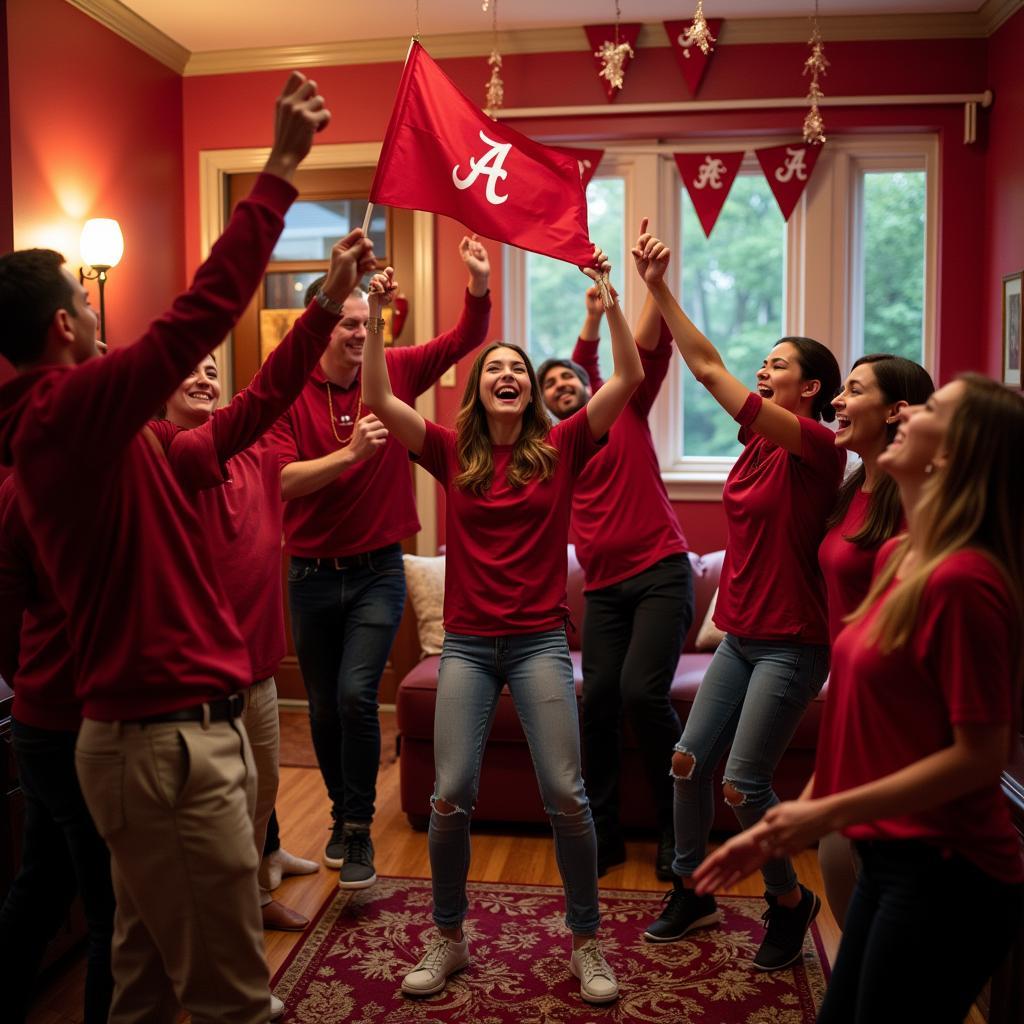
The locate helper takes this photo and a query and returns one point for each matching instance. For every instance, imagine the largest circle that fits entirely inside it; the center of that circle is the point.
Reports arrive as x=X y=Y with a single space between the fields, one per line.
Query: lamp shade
x=102 y=244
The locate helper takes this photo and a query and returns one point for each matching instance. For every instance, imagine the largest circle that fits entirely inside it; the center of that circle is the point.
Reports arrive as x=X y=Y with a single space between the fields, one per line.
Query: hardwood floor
x=521 y=856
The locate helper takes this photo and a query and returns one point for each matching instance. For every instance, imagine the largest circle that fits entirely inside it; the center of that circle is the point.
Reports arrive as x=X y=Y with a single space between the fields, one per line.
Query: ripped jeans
x=538 y=672
x=753 y=695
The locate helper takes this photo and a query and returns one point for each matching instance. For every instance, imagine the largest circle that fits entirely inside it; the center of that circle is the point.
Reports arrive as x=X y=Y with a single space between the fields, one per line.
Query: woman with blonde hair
x=508 y=476
x=922 y=716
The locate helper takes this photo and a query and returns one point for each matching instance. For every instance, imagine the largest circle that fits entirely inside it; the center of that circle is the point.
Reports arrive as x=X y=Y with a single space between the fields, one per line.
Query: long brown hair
x=532 y=456
x=899 y=380
x=976 y=500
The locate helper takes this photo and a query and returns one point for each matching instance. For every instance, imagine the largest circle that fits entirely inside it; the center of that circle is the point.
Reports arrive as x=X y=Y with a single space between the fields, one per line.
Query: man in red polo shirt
x=165 y=769
x=638 y=589
x=349 y=503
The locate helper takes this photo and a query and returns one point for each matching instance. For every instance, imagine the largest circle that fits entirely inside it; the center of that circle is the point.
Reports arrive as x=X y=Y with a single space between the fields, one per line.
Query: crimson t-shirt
x=776 y=505
x=506 y=563
x=848 y=568
x=887 y=711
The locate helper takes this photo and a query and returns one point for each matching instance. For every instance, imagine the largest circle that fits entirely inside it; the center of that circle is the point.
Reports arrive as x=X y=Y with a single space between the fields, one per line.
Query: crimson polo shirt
x=506 y=564
x=371 y=504
x=35 y=654
x=232 y=475
x=776 y=504
x=887 y=711
x=622 y=520
x=150 y=625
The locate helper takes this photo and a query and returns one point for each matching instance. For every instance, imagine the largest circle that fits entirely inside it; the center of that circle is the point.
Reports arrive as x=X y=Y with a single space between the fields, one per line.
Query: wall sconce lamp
x=101 y=247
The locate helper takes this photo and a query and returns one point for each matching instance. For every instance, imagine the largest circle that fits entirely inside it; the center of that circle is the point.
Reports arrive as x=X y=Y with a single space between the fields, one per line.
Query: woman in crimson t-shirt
x=866 y=514
x=771 y=606
x=508 y=476
x=922 y=716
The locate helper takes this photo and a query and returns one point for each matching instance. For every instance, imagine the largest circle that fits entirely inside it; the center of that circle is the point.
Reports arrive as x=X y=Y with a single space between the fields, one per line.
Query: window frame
x=823 y=290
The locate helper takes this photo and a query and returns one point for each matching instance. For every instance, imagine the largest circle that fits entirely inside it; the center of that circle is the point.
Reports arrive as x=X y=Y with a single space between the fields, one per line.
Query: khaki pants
x=174 y=802
x=264 y=730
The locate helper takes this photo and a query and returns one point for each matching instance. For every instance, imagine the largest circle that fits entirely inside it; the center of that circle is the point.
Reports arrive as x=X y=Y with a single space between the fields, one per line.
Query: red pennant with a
x=788 y=169
x=692 y=61
x=598 y=35
x=443 y=154
x=588 y=159
x=708 y=178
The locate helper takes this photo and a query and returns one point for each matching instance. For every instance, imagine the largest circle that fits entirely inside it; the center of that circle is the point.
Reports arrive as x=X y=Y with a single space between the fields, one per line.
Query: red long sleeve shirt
x=150 y=625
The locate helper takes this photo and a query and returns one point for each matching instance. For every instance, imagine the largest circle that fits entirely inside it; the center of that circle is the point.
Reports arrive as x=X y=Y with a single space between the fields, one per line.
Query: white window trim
x=822 y=266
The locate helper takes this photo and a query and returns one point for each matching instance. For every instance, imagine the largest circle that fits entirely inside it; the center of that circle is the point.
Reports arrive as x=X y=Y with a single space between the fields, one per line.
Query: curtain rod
x=983 y=99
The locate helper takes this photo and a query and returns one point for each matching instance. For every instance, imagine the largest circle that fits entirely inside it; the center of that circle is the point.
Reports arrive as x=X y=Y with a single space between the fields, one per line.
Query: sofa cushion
x=424 y=578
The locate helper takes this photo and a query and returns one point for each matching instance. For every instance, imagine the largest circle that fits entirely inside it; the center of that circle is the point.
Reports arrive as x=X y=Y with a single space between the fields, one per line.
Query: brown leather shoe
x=279 y=918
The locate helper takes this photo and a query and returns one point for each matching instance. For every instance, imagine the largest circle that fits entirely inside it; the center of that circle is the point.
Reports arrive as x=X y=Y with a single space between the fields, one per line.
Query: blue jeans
x=538 y=672
x=924 y=932
x=62 y=854
x=345 y=614
x=753 y=696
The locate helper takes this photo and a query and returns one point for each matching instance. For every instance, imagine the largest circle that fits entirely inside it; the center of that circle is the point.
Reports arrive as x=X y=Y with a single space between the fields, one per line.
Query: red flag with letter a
x=708 y=178
x=788 y=169
x=442 y=154
x=692 y=61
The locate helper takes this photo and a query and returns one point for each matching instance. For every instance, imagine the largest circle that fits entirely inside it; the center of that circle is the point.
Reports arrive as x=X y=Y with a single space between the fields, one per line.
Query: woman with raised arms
x=508 y=476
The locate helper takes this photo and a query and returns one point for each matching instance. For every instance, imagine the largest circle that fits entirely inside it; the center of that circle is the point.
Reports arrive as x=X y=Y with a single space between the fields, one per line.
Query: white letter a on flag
x=490 y=165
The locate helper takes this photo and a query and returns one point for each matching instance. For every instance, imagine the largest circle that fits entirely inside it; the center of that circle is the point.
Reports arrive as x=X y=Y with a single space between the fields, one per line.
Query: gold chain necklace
x=330 y=410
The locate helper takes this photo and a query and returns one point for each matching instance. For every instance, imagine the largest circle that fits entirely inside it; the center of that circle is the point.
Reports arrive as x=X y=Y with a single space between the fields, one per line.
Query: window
x=555 y=289
x=311 y=227
x=732 y=285
x=892 y=264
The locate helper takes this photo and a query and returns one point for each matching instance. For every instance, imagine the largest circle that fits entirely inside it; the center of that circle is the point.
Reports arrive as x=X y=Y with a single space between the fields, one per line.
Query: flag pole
x=366 y=218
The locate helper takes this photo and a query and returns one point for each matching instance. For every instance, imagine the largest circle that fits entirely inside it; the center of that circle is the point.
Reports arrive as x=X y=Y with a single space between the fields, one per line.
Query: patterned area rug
x=350 y=966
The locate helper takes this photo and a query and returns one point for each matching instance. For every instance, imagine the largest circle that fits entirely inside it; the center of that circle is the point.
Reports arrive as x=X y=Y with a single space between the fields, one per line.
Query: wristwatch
x=329 y=304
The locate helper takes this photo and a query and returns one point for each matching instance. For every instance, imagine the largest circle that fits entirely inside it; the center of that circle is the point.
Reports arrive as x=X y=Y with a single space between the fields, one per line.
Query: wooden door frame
x=215 y=167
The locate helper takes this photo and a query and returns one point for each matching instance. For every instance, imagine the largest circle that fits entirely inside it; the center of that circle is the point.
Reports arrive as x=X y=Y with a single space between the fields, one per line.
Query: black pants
x=632 y=637
x=273 y=841
x=923 y=934
x=62 y=854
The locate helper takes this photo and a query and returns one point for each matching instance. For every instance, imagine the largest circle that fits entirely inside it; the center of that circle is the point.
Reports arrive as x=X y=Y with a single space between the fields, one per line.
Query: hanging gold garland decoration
x=816 y=66
x=698 y=34
x=613 y=56
x=495 y=95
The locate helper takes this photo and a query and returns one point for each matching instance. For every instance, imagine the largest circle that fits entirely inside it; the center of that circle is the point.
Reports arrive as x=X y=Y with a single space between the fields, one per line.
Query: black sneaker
x=610 y=851
x=666 y=854
x=786 y=927
x=684 y=912
x=334 y=851
x=357 y=871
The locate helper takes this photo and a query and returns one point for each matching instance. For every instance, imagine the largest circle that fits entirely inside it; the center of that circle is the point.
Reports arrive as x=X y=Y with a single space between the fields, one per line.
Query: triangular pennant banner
x=708 y=178
x=788 y=169
x=692 y=61
x=600 y=35
x=588 y=159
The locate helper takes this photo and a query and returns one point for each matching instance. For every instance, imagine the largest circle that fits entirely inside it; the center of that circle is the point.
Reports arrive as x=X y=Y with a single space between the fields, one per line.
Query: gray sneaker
x=442 y=959
x=357 y=870
x=334 y=851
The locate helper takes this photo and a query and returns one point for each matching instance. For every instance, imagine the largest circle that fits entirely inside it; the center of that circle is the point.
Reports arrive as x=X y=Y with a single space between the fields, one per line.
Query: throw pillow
x=424 y=578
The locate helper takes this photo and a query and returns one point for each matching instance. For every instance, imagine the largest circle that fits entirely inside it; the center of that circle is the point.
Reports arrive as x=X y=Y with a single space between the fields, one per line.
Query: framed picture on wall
x=1012 y=327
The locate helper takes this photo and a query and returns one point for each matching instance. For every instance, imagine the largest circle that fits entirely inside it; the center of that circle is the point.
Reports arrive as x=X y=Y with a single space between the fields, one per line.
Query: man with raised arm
x=638 y=589
x=349 y=504
x=164 y=765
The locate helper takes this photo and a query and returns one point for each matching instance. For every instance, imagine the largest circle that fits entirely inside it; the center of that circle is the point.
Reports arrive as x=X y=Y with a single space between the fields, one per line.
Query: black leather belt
x=223 y=710
x=343 y=562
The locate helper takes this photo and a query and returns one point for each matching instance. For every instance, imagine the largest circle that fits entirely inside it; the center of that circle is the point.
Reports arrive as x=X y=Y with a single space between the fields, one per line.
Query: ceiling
x=199 y=25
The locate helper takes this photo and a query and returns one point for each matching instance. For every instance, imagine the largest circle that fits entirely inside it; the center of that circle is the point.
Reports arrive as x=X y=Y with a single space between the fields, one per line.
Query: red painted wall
x=1004 y=193
x=96 y=131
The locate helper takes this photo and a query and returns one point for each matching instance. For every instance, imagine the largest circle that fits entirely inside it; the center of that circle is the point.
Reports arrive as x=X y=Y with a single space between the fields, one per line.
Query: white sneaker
x=276 y=1007
x=442 y=959
x=280 y=864
x=597 y=979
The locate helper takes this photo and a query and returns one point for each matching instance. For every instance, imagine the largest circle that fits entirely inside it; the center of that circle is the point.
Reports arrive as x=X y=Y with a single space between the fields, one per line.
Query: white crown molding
x=140 y=33
x=126 y=23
